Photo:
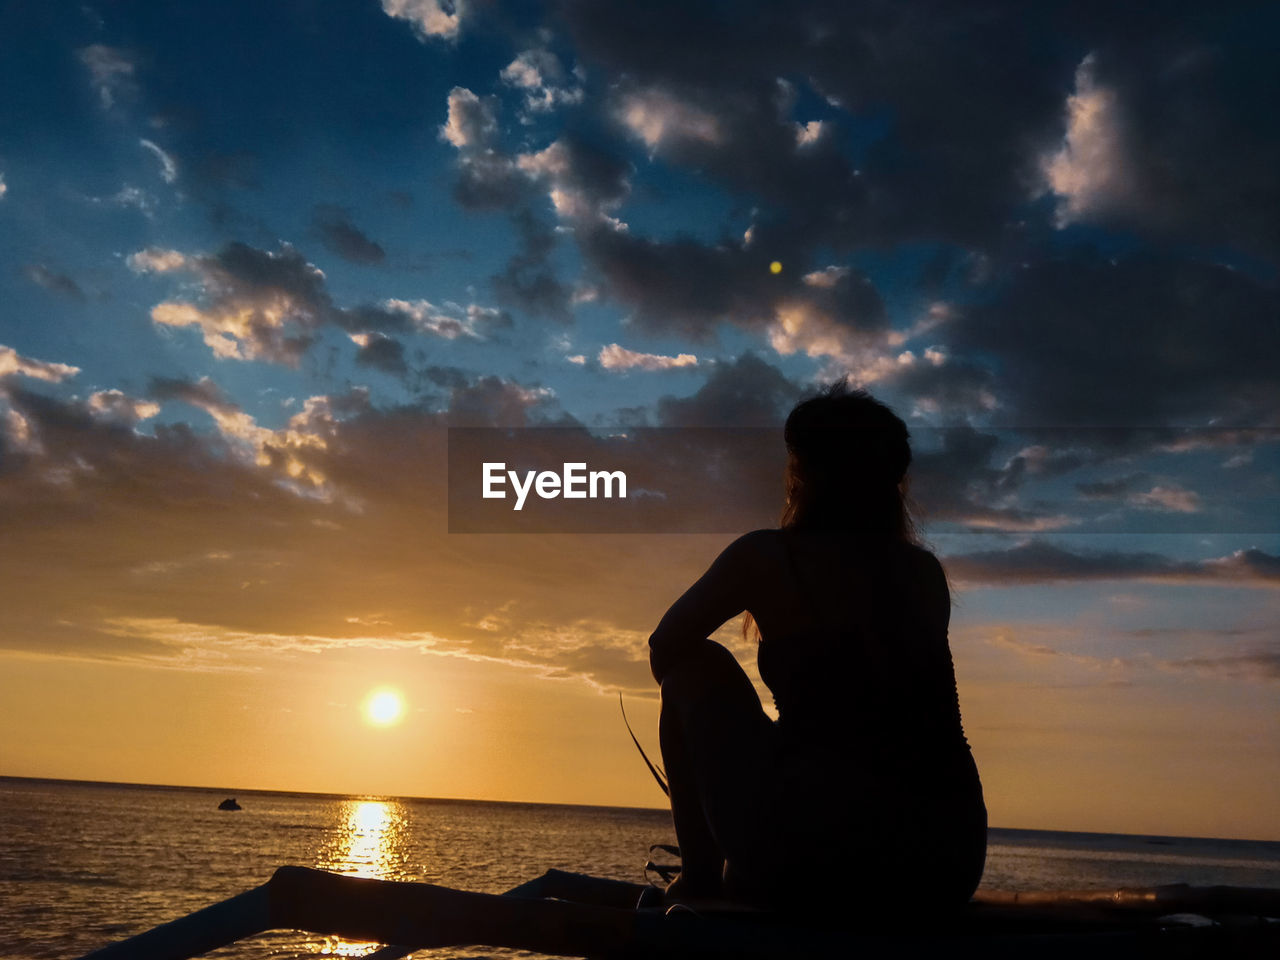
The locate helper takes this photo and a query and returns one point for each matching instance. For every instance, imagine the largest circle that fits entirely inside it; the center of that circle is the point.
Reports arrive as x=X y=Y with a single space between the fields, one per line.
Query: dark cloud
x=960 y=481
x=585 y=179
x=1259 y=665
x=938 y=119
x=382 y=353
x=1140 y=341
x=954 y=145
x=747 y=392
x=953 y=390
x=1114 y=488
x=585 y=183
x=528 y=282
x=491 y=401
x=1194 y=152
x=685 y=287
x=202 y=393
x=53 y=281
x=344 y=238
x=852 y=127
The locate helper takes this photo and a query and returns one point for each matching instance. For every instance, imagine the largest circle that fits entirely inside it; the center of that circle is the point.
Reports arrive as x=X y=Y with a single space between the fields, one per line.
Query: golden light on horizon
x=384 y=707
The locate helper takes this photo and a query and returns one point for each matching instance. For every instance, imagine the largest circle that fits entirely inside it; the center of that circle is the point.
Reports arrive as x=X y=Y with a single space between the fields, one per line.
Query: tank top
x=884 y=689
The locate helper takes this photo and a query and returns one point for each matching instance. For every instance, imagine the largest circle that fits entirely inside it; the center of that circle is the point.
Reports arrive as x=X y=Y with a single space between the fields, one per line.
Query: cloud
x=1167 y=142
x=747 y=392
x=168 y=166
x=545 y=83
x=487 y=177
x=585 y=184
x=120 y=407
x=472 y=122
x=4 y=187
x=232 y=513
x=1172 y=499
x=1259 y=662
x=930 y=169
x=1261 y=665
x=430 y=18
x=1165 y=497
x=687 y=288
x=344 y=238
x=381 y=352
x=615 y=357
x=1089 y=172
x=490 y=401
x=528 y=281
x=53 y=281
x=1038 y=562
x=260 y=305
x=270 y=305
x=156 y=260
x=110 y=71
x=1115 y=488
x=129 y=196
x=451 y=320
x=657 y=116
x=13 y=364
x=959 y=480
x=292 y=455
x=1158 y=340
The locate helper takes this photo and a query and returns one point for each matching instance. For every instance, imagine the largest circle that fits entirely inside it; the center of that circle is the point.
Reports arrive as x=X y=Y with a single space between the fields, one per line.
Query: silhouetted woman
x=864 y=787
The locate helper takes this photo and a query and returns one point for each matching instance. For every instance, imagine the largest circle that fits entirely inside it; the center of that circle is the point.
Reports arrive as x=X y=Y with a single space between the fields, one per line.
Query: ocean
x=83 y=864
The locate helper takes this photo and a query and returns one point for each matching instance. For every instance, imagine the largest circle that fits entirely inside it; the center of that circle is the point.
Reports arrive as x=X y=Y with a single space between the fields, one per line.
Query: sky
x=256 y=260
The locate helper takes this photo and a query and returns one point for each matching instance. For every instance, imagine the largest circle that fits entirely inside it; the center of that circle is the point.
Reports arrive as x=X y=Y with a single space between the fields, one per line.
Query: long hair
x=847 y=463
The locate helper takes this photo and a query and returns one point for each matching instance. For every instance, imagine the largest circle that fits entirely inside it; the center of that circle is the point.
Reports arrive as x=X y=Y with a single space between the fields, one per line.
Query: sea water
x=82 y=864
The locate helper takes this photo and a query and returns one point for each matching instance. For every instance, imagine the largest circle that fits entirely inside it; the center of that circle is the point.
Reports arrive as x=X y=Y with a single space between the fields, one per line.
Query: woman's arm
x=722 y=592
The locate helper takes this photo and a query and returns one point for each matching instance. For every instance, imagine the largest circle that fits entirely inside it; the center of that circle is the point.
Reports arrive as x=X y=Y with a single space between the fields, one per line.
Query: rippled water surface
x=84 y=864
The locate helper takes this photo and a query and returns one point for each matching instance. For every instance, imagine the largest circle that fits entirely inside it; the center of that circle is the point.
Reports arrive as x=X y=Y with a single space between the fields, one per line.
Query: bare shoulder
x=753 y=550
x=766 y=538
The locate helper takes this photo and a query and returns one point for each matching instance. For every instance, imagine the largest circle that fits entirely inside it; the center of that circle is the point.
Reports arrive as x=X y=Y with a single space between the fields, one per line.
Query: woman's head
x=847 y=467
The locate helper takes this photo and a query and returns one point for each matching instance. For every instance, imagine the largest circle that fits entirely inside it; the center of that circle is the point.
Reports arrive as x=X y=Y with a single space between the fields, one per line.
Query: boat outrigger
x=567 y=914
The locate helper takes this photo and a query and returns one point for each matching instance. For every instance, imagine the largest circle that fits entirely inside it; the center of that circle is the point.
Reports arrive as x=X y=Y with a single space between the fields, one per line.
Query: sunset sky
x=255 y=259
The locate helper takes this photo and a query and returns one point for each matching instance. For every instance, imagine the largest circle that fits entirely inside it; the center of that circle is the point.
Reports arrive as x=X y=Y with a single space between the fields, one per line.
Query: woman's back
x=857 y=654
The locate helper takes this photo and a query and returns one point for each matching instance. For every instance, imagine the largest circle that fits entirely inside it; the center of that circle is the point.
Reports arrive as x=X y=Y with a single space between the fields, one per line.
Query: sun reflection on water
x=370 y=838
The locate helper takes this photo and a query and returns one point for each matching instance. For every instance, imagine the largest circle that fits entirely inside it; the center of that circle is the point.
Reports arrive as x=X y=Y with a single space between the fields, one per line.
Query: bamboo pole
x=422 y=916
x=395 y=912
x=242 y=916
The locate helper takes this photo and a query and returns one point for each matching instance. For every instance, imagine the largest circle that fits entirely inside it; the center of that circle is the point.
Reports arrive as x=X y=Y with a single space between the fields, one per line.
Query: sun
x=383 y=707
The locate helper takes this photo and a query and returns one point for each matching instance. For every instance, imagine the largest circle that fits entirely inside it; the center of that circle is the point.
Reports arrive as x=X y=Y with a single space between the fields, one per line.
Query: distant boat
x=229 y=804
